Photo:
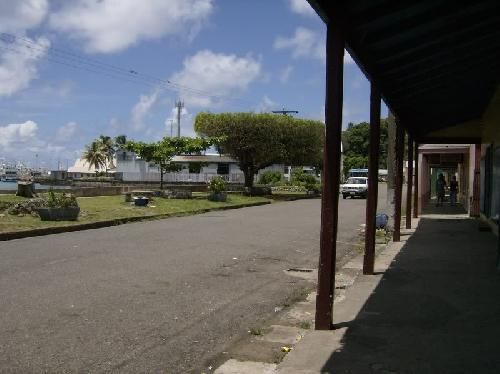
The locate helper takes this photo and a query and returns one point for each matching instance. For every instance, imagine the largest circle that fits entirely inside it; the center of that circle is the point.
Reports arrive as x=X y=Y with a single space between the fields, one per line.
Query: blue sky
x=72 y=70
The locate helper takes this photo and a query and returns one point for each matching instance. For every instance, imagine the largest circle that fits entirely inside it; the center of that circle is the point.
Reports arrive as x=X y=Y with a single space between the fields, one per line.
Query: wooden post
x=400 y=136
x=372 y=194
x=331 y=175
x=476 y=191
x=416 y=181
x=409 y=186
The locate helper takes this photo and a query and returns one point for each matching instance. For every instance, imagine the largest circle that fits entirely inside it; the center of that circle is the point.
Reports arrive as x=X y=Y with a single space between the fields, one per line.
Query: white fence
x=180 y=177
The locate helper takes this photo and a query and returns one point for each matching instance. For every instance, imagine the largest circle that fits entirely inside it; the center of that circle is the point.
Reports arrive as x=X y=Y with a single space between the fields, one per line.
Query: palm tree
x=95 y=155
x=108 y=148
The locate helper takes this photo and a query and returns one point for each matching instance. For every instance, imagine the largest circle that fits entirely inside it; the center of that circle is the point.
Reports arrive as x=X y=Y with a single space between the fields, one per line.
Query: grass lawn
x=102 y=208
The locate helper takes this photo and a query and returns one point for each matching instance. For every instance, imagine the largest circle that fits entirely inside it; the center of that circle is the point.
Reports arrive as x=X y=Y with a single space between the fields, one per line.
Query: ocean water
x=12 y=186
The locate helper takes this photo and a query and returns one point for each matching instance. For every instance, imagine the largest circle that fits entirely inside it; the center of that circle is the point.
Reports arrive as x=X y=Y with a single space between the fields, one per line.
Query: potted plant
x=141 y=200
x=217 y=189
x=59 y=207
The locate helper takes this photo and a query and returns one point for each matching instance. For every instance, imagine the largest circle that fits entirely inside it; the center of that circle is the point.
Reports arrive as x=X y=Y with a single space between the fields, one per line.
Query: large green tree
x=356 y=142
x=163 y=151
x=260 y=140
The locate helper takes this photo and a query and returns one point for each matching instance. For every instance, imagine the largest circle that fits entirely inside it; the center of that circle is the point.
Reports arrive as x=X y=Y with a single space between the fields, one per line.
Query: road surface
x=157 y=296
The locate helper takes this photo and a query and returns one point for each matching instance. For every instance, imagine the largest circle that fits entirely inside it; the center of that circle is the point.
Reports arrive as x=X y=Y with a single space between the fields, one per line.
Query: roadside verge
x=4 y=236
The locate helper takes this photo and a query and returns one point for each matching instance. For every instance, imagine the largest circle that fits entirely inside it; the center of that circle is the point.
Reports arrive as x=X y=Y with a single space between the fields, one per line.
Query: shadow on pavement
x=435 y=310
x=446 y=208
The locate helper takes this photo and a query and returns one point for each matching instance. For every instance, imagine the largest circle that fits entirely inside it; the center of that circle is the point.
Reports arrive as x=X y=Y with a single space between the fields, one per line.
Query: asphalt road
x=159 y=296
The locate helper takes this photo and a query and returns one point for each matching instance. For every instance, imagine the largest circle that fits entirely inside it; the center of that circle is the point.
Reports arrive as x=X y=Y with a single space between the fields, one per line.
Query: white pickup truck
x=355 y=186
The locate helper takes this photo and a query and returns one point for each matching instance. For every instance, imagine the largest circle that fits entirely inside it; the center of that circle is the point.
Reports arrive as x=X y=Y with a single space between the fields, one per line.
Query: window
x=223 y=169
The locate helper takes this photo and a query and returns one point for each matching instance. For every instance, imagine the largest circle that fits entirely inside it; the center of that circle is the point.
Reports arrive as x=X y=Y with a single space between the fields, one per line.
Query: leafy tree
x=120 y=141
x=95 y=155
x=260 y=140
x=356 y=142
x=163 y=151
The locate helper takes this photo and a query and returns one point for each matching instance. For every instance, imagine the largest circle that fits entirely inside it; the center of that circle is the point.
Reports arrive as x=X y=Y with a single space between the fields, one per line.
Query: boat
x=9 y=174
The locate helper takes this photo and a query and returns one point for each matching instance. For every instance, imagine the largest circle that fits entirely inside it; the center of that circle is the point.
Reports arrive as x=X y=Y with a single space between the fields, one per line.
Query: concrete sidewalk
x=433 y=307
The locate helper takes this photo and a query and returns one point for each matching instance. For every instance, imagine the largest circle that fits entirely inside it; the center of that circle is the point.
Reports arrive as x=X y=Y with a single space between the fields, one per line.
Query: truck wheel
x=344 y=196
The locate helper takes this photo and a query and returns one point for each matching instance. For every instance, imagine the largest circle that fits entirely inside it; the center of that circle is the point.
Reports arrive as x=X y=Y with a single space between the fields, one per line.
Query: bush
x=217 y=184
x=270 y=177
x=299 y=178
x=27 y=207
x=61 y=200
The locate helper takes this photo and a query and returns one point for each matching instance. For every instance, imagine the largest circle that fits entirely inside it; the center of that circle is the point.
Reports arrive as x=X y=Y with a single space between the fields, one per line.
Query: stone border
x=4 y=236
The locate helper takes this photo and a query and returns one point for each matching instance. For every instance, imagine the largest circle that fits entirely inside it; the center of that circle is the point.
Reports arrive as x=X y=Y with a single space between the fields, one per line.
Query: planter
x=258 y=191
x=59 y=214
x=141 y=201
x=217 y=196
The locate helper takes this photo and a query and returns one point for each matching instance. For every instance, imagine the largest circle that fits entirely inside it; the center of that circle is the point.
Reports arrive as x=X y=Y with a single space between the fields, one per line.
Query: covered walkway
x=431 y=307
x=435 y=65
x=435 y=310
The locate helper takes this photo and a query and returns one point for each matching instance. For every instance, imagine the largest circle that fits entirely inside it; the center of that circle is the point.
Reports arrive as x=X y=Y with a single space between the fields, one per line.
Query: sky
x=71 y=70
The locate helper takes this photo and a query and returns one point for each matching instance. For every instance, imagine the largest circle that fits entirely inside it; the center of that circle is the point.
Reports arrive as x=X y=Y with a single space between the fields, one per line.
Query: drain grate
x=300 y=270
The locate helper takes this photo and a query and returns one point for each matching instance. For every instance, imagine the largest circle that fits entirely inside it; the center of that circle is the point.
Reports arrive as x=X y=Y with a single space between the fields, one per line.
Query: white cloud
x=58 y=89
x=17 y=16
x=306 y=43
x=16 y=135
x=18 y=65
x=217 y=75
x=142 y=109
x=66 y=132
x=22 y=141
x=285 y=74
x=266 y=105
x=114 y=25
x=301 y=7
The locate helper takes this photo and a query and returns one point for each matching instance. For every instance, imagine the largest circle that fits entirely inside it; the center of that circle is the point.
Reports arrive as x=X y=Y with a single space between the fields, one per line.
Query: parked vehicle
x=355 y=186
x=358 y=173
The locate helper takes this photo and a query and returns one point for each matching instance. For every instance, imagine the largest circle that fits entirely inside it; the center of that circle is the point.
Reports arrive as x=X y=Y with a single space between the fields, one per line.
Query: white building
x=195 y=168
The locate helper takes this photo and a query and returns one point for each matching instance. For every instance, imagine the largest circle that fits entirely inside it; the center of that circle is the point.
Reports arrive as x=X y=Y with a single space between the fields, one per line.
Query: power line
x=70 y=59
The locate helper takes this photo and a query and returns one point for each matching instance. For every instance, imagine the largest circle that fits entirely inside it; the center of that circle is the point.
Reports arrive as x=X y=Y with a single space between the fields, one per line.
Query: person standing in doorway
x=440 y=189
x=453 y=190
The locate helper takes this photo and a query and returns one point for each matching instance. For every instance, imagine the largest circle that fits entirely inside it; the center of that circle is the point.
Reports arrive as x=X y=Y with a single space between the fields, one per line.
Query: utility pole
x=179 y=105
x=171 y=121
x=285 y=112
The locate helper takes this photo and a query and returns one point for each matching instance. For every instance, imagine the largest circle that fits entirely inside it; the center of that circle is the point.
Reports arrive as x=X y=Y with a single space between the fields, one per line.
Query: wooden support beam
x=416 y=181
x=409 y=186
x=331 y=175
x=400 y=136
x=372 y=196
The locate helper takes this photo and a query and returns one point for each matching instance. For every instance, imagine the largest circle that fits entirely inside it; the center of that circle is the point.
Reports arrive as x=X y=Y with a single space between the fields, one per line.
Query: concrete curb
x=346 y=277
x=4 y=236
